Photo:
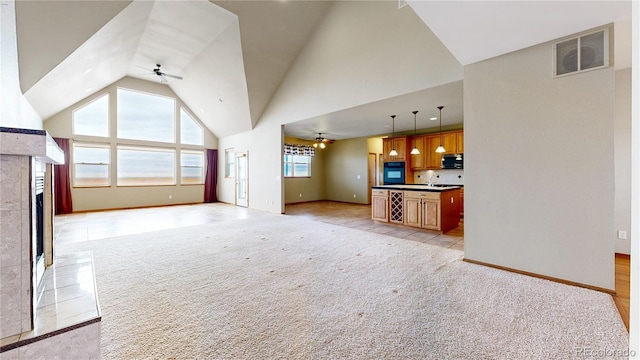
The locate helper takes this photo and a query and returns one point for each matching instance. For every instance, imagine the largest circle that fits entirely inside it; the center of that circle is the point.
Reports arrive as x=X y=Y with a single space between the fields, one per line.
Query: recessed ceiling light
x=88 y=89
x=87 y=71
x=433 y=118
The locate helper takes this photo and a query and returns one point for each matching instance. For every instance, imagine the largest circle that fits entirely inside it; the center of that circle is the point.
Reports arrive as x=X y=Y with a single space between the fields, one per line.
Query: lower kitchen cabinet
x=422 y=209
x=380 y=205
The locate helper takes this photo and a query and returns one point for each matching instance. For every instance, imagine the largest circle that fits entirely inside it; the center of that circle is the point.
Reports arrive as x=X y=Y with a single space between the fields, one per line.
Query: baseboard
x=544 y=277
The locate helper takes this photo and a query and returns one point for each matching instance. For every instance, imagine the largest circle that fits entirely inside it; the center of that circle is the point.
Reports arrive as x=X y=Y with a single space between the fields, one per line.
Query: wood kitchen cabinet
x=422 y=209
x=380 y=205
x=432 y=159
x=450 y=142
x=418 y=161
x=398 y=143
x=460 y=142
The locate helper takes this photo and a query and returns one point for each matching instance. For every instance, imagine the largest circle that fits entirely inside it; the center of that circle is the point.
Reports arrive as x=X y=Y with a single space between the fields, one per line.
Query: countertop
x=412 y=187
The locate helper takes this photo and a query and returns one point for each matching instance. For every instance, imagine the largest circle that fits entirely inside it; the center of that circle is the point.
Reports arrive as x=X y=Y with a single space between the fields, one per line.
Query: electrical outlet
x=622 y=235
x=354 y=196
x=170 y=197
x=300 y=195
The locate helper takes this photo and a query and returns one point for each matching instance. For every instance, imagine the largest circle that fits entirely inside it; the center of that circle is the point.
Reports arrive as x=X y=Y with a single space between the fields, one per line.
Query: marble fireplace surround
x=39 y=300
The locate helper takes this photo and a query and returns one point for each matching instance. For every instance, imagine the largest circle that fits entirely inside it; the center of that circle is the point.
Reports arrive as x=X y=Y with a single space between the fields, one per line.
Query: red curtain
x=211 y=178
x=61 y=181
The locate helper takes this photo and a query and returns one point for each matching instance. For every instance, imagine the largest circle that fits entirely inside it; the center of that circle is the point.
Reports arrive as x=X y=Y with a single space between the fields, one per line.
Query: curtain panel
x=211 y=178
x=62 y=180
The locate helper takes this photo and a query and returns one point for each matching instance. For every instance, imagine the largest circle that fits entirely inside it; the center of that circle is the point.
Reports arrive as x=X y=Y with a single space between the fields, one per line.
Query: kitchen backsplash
x=449 y=177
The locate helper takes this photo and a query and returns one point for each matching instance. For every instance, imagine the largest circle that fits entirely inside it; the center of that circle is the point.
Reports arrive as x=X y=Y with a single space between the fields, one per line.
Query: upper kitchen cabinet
x=432 y=160
x=450 y=142
x=453 y=142
x=418 y=160
x=397 y=143
x=460 y=141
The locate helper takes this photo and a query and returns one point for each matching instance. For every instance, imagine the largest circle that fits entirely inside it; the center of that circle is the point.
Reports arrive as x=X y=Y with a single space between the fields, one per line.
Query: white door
x=242 y=179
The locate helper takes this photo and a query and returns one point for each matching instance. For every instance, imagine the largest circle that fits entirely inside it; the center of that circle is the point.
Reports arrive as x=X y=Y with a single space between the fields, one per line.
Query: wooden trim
x=623 y=256
x=544 y=277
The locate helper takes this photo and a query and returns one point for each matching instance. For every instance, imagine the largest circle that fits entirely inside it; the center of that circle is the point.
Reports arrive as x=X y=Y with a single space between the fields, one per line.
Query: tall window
x=146 y=166
x=91 y=165
x=190 y=132
x=145 y=147
x=192 y=167
x=297 y=166
x=230 y=163
x=93 y=118
x=144 y=116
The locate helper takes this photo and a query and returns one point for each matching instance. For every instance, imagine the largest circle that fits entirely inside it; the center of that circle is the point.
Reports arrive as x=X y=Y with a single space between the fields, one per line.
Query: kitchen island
x=422 y=206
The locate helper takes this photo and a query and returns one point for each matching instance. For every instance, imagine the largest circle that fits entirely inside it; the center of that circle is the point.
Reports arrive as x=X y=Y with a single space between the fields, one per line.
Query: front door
x=242 y=179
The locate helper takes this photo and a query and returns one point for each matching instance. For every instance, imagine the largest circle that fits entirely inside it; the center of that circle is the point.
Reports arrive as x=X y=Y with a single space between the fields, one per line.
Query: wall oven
x=393 y=173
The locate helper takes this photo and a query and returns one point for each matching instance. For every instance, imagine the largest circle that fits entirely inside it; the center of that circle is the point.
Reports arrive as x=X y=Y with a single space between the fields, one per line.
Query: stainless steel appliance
x=452 y=161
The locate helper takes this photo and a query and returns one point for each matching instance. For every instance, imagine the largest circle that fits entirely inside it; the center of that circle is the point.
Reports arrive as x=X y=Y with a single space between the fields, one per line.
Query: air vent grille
x=582 y=53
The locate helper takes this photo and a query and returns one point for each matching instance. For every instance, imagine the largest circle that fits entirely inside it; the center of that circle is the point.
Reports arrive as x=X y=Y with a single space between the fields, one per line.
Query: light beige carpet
x=291 y=288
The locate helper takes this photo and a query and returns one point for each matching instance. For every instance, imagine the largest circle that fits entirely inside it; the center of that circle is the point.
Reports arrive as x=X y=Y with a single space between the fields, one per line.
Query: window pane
x=300 y=159
x=301 y=170
x=288 y=169
x=190 y=131
x=91 y=165
x=231 y=163
x=145 y=117
x=146 y=167
x=91 y=175
x=88 y=154
x=93 y=118
x=192 y=168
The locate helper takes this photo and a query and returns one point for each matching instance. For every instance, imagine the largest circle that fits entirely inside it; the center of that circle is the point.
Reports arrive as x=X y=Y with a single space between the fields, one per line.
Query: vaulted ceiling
x=233 y=55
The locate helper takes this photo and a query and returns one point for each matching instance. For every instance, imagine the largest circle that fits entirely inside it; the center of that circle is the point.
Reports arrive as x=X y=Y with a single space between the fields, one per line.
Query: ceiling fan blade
x=172 y=76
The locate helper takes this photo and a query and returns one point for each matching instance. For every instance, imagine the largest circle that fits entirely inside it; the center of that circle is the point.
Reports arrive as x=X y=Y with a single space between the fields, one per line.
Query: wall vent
x=582 y=53
x=402 y=3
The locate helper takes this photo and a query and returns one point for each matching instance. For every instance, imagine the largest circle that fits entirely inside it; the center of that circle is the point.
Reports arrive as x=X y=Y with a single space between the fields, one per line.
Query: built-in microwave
x=454 y=161
x=393 y=173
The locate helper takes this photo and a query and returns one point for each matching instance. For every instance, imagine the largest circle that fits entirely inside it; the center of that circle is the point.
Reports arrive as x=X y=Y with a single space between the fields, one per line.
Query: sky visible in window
x=145 y=117
x=93 y=118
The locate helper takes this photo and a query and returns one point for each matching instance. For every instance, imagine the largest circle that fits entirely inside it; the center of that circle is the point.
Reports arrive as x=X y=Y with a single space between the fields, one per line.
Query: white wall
x=114 y=197
x=15 y=111
x=539 y=167
x=634 y=312
x=362 y=51
x=622 y=151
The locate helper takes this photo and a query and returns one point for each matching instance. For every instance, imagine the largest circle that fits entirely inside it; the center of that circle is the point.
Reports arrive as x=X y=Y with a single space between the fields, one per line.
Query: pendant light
x=415 y=150
x=393 y=151
x=440 y=148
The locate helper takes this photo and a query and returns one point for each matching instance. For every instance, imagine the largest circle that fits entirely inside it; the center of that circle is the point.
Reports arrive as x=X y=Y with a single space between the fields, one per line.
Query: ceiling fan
x=163 y=75
x=321 y=141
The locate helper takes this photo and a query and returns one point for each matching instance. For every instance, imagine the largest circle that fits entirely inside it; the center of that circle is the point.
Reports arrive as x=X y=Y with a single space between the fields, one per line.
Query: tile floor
x=105 y=224
x=65 y=298
x=359 y=217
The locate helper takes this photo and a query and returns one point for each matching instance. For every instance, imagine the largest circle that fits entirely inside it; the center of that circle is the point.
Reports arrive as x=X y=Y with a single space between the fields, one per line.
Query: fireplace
x=29 y=327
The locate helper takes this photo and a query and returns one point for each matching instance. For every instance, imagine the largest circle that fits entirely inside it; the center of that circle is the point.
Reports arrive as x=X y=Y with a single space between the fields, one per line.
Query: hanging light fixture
x=393 y=151
x=319 y=142
x=440 y=148
x=415 y=150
